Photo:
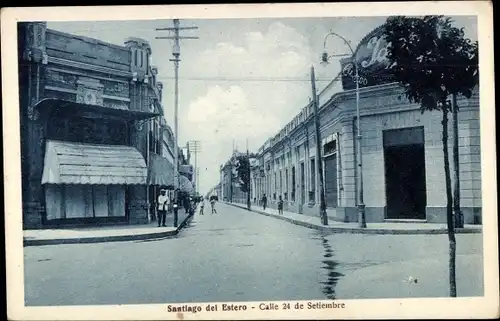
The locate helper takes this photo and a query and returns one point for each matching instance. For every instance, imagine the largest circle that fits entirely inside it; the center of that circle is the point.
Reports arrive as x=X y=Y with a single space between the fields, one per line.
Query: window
x=286 y=184
x=135 y=57
x=293 y=183
x=330 y=148
x=313 y=174
x=281 y=183
x=275 y=185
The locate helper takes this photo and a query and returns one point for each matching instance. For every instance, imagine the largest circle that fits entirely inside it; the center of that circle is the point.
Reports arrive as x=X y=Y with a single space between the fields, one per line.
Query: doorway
x=404 y=156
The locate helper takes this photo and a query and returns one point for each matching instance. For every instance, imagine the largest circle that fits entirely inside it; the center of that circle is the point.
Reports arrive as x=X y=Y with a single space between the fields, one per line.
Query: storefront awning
x=50 y=104
x=186 y=169
x=76 y=163
x=185 y=185
x=160 y=171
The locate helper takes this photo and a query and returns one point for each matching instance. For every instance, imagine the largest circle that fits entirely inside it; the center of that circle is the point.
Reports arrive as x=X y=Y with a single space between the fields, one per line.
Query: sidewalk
x=372 y=228
x=100 y=234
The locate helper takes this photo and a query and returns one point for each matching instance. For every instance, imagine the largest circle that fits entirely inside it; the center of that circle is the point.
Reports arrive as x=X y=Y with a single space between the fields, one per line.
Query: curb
x=103 y=239
x=375 y=231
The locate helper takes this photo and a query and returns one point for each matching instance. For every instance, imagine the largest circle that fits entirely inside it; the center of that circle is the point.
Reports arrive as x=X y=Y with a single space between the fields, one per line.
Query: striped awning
x=92 y=164
x=160 y=171
x=185 y=185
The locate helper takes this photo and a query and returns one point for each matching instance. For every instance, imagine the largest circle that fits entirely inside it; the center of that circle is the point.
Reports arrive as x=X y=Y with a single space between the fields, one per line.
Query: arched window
x=142 y=59
x=135 y=57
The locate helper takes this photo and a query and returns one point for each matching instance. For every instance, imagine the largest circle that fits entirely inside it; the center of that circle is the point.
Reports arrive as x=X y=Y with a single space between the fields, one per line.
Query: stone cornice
x=87 y=39
x=85 y=66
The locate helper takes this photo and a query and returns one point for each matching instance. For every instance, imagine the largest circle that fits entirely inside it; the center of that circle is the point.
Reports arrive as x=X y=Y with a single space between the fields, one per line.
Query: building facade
x=92 y=127
x=402 y=152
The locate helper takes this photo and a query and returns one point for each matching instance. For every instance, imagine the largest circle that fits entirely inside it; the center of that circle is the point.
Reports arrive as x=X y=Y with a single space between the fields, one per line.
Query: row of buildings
x=95 y=145
x=402 y=152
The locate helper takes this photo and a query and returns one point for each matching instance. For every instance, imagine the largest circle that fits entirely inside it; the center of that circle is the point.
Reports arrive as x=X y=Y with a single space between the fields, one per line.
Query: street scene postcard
x=250 y=161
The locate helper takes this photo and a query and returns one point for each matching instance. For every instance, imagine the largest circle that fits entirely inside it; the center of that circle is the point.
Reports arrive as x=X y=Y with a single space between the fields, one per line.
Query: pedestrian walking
x=212 y=203
x=186 y=204
x=280 y=206
x=264 y=201
x=202 y=205
x=163 y=203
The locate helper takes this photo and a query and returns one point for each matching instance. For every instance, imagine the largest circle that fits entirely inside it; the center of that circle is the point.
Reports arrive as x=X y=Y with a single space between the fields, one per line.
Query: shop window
x=84 y=201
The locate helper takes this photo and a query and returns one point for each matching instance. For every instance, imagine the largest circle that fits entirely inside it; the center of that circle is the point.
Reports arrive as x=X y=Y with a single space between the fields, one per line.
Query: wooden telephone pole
x=176 y=53
x=319 y=162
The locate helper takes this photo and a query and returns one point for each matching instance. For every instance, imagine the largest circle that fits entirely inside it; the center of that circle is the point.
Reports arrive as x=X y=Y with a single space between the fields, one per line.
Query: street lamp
x=324 y=60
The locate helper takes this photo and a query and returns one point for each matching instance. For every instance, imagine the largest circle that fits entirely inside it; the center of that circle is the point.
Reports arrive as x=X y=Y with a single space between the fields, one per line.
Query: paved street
x=242 y=256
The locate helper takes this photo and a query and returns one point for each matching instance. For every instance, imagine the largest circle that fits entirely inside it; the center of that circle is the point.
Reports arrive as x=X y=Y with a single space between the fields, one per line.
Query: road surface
x=238 y=255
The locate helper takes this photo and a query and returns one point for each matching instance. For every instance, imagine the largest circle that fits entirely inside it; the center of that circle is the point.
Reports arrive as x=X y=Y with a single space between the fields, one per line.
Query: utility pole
x=319 y=162
x=249 y=180
x=194 y=146
x=231 y=173
x=176 y=53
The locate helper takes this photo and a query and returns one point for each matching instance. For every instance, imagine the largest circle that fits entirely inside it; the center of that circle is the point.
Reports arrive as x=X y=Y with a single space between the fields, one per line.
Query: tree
x=432 y=61
x=243 y=170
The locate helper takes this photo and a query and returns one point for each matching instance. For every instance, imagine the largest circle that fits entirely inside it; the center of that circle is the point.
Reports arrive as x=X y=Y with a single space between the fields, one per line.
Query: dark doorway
x=405 y=173
x=302 y=184
x=330 y=165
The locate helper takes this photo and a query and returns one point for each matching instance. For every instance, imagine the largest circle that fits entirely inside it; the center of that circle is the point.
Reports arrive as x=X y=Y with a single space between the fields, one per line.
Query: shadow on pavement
x=185 y=224
x=329 y=265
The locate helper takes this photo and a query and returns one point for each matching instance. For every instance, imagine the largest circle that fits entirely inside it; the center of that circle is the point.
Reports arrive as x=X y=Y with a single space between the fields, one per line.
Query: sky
x=243 y=79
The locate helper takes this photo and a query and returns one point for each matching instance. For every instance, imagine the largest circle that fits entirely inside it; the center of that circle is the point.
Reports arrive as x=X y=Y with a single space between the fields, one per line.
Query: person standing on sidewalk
x=202 y=205
x=264 y=201
x=212 y=203
x=163 y=201
x=280 y=206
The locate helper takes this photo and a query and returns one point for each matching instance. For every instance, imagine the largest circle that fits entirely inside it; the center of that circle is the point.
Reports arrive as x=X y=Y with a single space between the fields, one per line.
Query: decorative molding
x=116 y=105
x=74 y=91
x=76 y=73
x=35 y=49
x=33 y=113
x=89 y=91
x=86 y=66
x=114 y=89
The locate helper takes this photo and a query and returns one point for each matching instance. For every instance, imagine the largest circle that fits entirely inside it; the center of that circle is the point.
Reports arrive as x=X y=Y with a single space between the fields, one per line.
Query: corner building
x=91 y=119
x=402 y=152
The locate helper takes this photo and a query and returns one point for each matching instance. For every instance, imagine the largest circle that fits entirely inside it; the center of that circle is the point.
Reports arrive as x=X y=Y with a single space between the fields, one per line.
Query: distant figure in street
x=186 y=204
x=264 y=201
x=280 y=206
x=202 y=205
x=212 y=203
x=163 y=202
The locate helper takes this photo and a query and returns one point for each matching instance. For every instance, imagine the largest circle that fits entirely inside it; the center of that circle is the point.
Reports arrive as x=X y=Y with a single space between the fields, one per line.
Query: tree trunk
x=449 y=210
x=459 y=223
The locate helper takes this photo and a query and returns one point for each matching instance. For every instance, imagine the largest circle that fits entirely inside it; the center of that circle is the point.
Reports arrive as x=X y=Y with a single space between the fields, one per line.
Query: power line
x=245 y=79
x=176 y=53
